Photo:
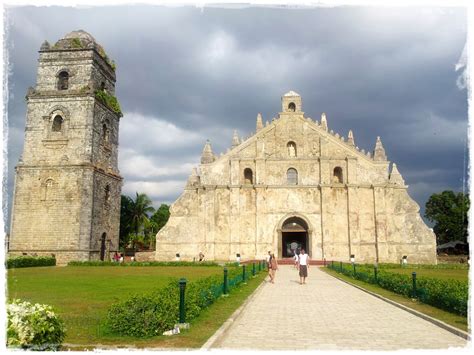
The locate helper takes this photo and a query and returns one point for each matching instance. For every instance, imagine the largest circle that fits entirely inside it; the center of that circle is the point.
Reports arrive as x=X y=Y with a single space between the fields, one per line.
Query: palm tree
x=141 y=209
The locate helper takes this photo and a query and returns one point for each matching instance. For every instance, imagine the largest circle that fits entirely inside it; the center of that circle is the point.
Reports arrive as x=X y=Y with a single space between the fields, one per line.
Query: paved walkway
x=334 y=316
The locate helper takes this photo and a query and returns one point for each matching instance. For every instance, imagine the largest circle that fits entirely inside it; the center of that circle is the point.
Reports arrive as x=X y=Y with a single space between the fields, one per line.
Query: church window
x=63 y=80
x=57 y=123
x=291 y=149
x=337 y=175
x=248 y=176
x=292 y=176
x=291 y=107
x=102 y=86
x=47 y=190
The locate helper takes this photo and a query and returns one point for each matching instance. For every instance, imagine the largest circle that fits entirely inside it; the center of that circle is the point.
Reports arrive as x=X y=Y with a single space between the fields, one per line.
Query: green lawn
x=82 y=296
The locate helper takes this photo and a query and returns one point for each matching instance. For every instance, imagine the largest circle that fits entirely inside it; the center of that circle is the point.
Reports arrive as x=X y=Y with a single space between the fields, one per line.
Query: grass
x=82 y=296
x=447 y=317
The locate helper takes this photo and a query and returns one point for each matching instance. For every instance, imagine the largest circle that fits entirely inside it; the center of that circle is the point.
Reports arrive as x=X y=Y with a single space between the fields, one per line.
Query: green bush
x=154 y=313
x=33 y=326
x=419 y=266
x=450 y=295
x=30 y=261
x=144 y=263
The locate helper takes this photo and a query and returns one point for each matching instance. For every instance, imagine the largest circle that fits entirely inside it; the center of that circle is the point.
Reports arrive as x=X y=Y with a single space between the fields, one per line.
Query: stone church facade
x=67 y=185
x=296 y=184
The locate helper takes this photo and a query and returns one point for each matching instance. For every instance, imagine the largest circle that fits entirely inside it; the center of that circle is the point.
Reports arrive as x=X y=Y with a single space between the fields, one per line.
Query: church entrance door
x=294 y=237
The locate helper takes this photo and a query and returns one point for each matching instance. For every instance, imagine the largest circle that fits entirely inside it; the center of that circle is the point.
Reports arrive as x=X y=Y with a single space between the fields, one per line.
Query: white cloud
x=133 y=165
x=150 y=132
x=159 y=192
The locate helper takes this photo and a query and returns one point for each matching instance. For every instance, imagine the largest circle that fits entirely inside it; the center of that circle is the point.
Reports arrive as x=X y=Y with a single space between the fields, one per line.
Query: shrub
x=144 y=263
x=30 y=261
x=450 y=295
x=154 y=313
x=33 y=326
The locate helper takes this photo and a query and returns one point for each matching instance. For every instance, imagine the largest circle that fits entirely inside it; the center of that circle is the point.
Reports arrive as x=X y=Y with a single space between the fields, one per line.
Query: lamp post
x=353 y=263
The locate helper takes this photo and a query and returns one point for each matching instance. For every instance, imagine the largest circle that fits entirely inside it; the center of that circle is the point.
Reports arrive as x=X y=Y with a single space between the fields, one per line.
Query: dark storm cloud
x=188 y=74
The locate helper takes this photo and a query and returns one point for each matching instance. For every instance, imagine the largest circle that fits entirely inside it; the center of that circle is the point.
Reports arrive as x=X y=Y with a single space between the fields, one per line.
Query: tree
x=449 y=212
x=125 y=221
x=161 y=216
x=141 y=209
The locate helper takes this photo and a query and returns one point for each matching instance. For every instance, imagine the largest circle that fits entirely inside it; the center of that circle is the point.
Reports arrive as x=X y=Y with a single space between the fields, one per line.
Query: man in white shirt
x=304 y=266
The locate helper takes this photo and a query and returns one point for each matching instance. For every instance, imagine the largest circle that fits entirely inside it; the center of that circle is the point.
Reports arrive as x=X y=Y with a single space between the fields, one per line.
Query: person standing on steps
x=303 y=265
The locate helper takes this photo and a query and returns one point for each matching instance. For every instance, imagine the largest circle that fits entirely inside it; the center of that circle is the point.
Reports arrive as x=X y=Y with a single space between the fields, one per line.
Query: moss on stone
x=108 y=100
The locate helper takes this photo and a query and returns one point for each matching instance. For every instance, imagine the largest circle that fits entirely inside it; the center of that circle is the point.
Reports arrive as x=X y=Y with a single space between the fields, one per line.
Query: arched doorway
x=294 y=237
x=102 y=246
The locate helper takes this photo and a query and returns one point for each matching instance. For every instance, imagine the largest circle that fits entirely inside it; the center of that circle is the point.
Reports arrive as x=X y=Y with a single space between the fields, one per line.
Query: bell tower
x=291 y=102
x=67 y=185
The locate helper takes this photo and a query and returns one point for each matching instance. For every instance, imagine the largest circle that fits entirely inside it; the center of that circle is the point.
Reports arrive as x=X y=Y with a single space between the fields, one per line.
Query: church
x=296 y=184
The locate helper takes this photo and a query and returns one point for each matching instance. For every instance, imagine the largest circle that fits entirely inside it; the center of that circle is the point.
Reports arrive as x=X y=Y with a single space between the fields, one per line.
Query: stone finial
x=395 y=176
x=267 y=123
x=194 y=179
x=207 y=154
x=235 y=139
x=259 y=122
x=324 y=122
x=379 y=151
x=45 y=46
x=337 y=135
x=350 y=138
x=369 y=155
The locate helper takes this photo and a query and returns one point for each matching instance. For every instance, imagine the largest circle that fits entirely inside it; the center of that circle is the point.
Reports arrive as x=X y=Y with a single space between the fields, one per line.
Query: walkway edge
x=441 y=324
x=223 y=328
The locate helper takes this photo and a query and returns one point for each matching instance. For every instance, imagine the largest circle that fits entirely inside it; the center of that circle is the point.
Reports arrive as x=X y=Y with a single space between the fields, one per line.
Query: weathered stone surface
x=67 y=185
x=343 y=199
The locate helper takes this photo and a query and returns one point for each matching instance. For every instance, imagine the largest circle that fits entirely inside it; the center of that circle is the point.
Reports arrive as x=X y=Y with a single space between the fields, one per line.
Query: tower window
x=105 y=132
x=63 y=80
x=291 y=149
x=107 y=193
x=57 y=124
x=248 y=176
x=291 y=107
x=337 y=175
x=292 y=176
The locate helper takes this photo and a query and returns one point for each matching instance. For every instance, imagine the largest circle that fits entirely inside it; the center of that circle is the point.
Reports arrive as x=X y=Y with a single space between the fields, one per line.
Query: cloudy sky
x=188 y=74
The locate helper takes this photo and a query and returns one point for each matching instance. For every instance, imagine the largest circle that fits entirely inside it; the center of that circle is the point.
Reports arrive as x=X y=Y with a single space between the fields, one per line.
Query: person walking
x=303 y=266
x=269 y=265
x=273 y=267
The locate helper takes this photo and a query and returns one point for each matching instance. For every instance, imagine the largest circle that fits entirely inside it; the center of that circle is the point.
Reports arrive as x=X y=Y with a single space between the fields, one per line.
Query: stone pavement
x=327 y=314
